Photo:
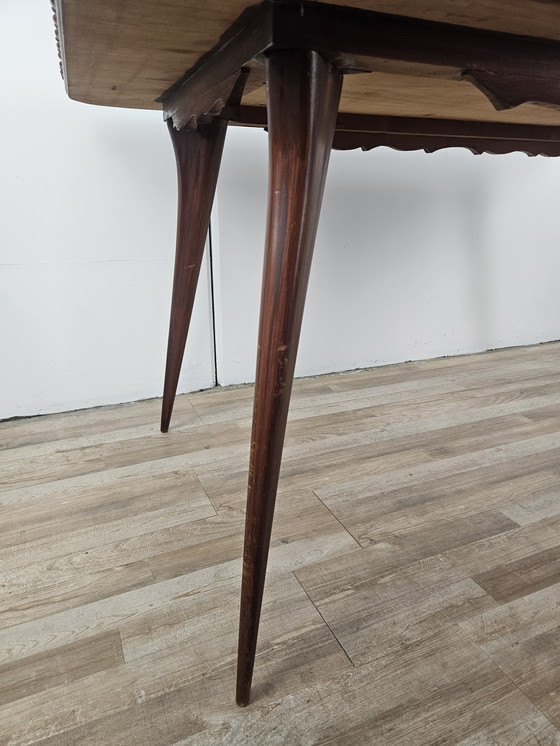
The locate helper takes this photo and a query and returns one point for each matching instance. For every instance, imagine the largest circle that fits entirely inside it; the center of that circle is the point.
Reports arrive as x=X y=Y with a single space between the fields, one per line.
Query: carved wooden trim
x=510 y=69
x=205 y=89
x=368 y=131
x=430 y=144
x=58 y=34
x=508 y=91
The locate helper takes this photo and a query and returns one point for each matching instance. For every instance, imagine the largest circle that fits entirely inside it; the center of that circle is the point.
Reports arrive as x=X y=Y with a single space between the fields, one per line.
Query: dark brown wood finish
x=363 y=40
x=509 y=69
x=375 y=123
x=206 y=88
x=303 y=95
x=198 y=154
x=368 y=131
x=432 y=143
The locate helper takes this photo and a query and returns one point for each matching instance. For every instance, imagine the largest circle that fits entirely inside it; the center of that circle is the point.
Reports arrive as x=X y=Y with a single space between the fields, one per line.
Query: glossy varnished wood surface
x=303 y=95
x=413 y=593
x=198 y=155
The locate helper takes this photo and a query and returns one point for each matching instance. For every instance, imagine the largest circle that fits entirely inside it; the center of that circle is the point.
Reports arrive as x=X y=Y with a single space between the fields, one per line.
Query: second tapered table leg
x=303 y=96
x=198 y=154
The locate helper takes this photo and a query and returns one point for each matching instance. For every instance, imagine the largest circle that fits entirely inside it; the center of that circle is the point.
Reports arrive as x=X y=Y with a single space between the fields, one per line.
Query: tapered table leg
x=303 y=96
x=198 y=154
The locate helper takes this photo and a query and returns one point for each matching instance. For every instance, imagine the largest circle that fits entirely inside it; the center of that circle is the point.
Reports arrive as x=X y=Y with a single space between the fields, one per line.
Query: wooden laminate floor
x=413 y=595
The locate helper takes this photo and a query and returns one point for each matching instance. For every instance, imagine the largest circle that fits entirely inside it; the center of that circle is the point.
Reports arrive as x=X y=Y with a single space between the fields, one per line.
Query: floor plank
x=413 y=592
x=54 y=668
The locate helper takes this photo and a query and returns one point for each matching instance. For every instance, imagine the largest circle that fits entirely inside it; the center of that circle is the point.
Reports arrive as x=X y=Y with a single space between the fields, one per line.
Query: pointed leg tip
x=243 y=694
x=165 y=419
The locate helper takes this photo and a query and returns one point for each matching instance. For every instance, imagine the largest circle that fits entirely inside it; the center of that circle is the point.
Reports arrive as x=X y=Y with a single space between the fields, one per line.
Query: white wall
x=417 y=256
x=86 y=239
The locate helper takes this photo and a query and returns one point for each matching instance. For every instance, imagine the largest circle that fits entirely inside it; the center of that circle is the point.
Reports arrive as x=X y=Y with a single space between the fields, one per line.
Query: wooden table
x=482 y=74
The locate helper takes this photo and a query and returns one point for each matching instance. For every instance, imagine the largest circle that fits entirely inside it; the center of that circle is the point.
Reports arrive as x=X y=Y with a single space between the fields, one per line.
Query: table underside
x=127 y=52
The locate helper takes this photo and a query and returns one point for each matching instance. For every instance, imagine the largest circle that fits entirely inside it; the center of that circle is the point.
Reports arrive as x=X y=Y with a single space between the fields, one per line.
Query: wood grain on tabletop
x=413 y=592
x=127 y=53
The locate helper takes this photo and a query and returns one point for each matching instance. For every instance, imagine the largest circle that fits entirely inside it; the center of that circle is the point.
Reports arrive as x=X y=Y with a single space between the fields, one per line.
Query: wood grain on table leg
x=303 y=95
x=198 y=154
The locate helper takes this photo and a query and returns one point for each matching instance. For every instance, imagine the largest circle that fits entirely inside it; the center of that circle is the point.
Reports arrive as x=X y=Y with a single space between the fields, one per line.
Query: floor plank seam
x=325 y=622
x=515 y=684
x=338 y=520
x=214 y=508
